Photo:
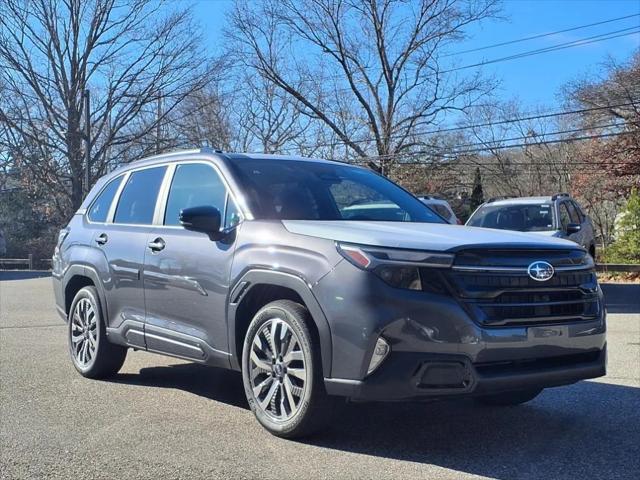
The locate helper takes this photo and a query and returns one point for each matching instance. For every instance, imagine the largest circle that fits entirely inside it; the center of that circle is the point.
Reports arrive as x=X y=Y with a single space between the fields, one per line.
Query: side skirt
x=167 y=342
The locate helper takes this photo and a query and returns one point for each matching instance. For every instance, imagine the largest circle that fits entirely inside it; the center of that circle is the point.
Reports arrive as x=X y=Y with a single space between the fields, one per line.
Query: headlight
x=399 y=268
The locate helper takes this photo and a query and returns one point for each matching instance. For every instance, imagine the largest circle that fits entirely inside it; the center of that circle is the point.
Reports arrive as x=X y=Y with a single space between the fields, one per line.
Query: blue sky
x=535 y=80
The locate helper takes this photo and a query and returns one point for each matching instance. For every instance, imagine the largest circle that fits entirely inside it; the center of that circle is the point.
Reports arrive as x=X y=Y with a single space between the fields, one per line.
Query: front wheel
x=282 y=371
x=509 y=398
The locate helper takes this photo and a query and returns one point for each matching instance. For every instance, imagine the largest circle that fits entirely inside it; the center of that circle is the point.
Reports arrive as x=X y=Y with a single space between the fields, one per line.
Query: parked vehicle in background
x=554 y=216
x=441 y=207
x=3 y=244
x=274 y=266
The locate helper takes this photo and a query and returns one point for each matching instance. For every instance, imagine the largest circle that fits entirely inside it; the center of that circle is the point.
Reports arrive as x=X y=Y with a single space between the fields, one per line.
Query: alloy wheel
x=277 y=370
x=84 y=333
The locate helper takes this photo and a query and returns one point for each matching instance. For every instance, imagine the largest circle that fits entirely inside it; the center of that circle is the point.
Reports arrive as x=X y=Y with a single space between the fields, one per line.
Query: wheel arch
x=255 y=289
x=77 y=277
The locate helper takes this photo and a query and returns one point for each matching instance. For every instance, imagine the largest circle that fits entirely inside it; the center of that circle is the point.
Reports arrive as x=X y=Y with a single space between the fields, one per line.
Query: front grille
x=496 y=289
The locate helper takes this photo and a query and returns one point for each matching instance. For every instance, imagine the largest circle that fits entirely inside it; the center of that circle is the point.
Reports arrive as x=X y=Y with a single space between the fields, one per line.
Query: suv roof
x=198 y=153
x=526 y=200
x=228 y=155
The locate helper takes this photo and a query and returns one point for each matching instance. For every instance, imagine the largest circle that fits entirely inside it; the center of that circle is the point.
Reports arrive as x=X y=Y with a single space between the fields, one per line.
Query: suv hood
x=420 y=236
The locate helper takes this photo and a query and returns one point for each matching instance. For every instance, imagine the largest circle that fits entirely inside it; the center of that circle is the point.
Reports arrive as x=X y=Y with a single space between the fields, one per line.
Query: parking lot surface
x=165 y=418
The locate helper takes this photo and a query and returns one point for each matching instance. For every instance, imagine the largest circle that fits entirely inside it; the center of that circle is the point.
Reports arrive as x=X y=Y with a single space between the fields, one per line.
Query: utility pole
x=87 y=132
x=158 y=128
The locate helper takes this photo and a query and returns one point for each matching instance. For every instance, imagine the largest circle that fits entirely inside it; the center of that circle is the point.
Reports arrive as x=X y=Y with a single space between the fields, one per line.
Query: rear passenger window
x=194 y=185
x=138 y=200
x=100 y=207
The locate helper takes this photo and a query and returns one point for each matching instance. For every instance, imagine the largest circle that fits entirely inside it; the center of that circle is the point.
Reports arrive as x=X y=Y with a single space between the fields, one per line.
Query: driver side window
x=194 y=185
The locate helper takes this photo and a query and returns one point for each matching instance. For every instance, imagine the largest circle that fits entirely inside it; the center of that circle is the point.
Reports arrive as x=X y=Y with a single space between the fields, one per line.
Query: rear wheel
x=282 y=371
x=91 y=353
x=509 y=398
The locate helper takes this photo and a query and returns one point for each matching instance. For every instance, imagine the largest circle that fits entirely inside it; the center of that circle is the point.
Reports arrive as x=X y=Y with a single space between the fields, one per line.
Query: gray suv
x=553 y=216
x=262 y=264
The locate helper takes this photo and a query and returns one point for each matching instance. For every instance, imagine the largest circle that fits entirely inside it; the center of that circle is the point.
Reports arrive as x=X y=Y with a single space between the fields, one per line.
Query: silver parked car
x=441 y=207
x=554 y=216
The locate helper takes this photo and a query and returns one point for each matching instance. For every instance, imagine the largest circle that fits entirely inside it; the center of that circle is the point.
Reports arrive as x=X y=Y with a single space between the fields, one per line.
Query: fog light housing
x=380 y=352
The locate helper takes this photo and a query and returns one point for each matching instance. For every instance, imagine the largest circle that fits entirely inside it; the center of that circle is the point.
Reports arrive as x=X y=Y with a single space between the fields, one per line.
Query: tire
x=509 y=398
x=287 y=404
x=91 y=353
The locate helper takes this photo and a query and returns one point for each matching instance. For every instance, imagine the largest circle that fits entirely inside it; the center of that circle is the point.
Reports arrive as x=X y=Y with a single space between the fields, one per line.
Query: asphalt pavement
x=165 y=418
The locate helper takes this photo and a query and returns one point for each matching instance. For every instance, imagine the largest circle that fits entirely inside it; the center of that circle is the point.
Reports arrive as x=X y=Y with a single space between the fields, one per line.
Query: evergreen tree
x=626 y=248
x=477 y=195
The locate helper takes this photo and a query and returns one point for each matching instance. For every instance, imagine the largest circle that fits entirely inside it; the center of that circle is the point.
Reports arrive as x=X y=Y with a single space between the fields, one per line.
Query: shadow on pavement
x=213 y=383
x=582 y=431
x=622 y=297
x=23 y=274
x=587 y=430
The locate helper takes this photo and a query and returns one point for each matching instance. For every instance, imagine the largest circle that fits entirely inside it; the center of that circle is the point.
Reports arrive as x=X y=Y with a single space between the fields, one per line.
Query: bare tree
x=202 y=119
x=381 y=59
x=521 y=153
x=612 y=98
x=130 y=53
x=267 y=119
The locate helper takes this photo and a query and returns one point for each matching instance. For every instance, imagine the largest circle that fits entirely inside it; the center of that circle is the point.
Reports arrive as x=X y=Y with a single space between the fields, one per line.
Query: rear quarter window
x=100 y=207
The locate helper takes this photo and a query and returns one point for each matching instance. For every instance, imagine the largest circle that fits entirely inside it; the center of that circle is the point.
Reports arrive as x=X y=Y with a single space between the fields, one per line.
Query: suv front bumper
x=438 y=350
x=416 y=376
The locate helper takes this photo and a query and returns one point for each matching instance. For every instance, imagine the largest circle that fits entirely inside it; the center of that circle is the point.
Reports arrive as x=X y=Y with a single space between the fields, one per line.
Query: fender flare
x=78 y=270
x=255 y=277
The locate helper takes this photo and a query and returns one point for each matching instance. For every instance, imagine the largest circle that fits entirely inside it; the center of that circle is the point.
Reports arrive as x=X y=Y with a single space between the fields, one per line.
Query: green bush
x=626 y=247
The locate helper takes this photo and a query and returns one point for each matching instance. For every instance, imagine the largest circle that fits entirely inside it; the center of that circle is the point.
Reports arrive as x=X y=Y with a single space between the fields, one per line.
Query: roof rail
x=500 y=197
x=555 y=197
x=210 y=150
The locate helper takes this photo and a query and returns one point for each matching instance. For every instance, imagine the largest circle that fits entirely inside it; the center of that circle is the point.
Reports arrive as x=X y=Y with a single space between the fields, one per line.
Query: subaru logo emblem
x=540 y=271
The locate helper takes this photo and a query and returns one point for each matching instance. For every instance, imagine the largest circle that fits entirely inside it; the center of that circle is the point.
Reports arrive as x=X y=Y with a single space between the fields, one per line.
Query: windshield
x=523 y=218
x=303 y=190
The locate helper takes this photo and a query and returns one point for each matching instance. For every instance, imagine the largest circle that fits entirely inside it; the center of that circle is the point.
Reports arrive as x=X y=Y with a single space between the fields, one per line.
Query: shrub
x=626 y=247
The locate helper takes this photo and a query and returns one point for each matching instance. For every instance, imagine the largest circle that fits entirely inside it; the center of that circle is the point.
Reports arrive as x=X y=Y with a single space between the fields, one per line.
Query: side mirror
x=205 y=219
x=573 y=228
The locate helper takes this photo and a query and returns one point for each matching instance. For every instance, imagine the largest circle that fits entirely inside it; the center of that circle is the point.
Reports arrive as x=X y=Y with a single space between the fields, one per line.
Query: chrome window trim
x=163 y=196
x=158 y=216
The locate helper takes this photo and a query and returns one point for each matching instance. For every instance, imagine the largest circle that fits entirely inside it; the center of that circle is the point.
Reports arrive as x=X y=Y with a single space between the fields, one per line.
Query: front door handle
x=157 y=245
x=102 y=239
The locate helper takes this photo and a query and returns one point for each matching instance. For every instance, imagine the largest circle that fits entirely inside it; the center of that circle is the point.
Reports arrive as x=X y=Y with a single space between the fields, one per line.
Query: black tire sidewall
x=91 y=294
x=297 y=323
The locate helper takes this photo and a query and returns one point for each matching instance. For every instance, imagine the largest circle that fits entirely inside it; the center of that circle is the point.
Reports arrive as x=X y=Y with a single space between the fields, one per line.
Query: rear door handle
x=157 y=245
x=102 y=239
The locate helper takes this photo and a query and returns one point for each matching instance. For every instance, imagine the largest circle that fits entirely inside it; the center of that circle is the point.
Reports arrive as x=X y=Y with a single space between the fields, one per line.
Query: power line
x=561 y=46
x=574 y=43
x=542 y=35
x=553 y=48
x=479 y=125
x=502 y=147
